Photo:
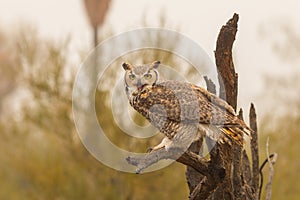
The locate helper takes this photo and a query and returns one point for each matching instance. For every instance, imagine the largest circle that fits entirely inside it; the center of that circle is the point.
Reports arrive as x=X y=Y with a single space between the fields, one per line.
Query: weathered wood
x=271 y=168
x=193 y=177
x=217 y=174
x=254 y=150
x=228 y=79
x=187 y=158
x=211 y=87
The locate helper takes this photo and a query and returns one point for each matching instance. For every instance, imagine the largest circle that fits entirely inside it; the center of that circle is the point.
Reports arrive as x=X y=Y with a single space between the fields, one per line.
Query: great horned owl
x=183 y=112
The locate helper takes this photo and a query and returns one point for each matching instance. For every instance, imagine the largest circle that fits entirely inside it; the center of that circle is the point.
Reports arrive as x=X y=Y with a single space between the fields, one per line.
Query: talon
x=138 y=171
x=149 y=150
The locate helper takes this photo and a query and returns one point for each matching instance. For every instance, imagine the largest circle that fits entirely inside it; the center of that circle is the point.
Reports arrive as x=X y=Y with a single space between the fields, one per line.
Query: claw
x=149 y=150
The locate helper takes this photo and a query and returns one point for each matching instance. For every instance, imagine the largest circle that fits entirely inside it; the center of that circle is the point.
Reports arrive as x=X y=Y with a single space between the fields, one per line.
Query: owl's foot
x=164 y=144
x=151 y=149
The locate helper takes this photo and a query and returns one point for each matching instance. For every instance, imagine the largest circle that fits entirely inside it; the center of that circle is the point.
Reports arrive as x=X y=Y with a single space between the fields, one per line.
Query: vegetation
x=41 y=155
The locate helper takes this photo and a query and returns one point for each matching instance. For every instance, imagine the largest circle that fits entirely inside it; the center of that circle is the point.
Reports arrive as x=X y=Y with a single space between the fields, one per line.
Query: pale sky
x=200 y=20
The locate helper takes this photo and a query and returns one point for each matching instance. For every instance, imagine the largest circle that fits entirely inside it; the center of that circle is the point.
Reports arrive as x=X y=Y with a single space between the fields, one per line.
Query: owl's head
x=137 y=77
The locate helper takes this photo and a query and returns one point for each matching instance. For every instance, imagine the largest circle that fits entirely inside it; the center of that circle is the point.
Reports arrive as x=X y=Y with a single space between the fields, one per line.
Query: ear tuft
x=155 y=64
x=127 y=66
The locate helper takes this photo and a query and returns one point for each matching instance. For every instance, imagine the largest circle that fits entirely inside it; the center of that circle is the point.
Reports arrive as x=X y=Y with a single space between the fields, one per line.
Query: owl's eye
x=131 y=76
x=148 y=76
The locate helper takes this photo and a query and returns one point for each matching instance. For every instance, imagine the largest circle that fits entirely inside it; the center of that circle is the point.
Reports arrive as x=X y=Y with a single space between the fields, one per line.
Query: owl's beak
x=139 y=85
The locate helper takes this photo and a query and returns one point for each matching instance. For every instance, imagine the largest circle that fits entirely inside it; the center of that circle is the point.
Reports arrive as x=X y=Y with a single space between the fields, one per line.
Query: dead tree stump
x=228 y=173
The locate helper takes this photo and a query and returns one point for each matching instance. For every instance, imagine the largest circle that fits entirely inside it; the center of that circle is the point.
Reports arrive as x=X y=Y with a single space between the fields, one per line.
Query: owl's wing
x=186 y=103
x=213 y=99
x=224 y=117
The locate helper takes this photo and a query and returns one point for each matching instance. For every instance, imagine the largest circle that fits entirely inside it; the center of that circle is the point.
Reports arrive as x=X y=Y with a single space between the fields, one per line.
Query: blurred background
x=43 y=43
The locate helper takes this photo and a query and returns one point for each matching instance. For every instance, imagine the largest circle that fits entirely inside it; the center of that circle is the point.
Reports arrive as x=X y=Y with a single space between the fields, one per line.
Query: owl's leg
x=164 y=143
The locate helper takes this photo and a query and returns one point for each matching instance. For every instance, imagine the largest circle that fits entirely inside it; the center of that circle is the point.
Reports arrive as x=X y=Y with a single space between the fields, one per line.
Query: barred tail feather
x=235 y=134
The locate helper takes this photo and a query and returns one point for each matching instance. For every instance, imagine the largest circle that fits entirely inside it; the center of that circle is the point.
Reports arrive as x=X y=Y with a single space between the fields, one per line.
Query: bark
x=254 y=151
x=228 y=79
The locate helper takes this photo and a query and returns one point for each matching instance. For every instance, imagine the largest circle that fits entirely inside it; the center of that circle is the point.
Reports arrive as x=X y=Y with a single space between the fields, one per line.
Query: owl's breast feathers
x=173 y=102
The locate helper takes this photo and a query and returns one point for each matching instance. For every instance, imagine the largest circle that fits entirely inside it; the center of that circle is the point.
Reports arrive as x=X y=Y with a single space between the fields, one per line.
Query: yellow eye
x=148 y=76
x=131 y=76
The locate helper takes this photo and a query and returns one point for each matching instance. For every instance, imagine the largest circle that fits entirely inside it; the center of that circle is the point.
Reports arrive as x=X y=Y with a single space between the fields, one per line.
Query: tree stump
x=228 y=173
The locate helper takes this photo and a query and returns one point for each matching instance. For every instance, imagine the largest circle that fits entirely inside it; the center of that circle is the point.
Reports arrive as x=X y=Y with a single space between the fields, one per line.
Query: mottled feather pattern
x=170 y=103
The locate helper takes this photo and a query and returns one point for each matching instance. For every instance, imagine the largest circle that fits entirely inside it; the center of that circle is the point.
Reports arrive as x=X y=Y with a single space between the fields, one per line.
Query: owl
x=182 y=111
